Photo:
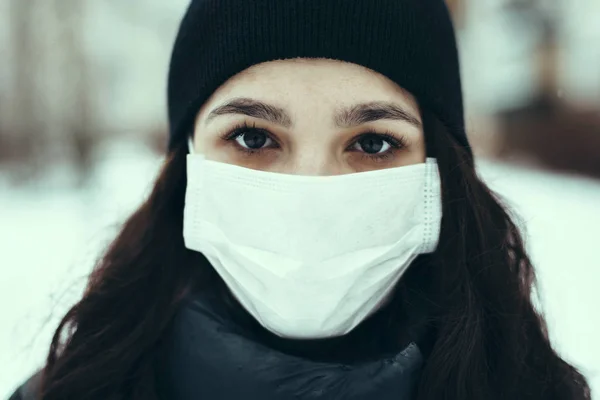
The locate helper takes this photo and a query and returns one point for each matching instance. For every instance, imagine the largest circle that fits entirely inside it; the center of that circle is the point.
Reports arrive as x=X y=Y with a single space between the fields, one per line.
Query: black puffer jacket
x=28 y=390
x=215 y=350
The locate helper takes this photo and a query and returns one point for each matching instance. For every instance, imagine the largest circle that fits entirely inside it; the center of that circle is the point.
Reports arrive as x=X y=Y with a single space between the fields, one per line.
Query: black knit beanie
x=412 y=42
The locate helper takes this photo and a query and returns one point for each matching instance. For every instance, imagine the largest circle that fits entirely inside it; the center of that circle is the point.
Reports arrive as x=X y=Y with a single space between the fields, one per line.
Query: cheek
x=361 y=163
x=418 y=153
x=209 y=144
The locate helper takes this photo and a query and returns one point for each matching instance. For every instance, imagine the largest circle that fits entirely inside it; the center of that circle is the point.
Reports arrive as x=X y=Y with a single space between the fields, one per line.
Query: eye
x=372 y=144
x=253 y=139
x=250 y=139
x=378 y=147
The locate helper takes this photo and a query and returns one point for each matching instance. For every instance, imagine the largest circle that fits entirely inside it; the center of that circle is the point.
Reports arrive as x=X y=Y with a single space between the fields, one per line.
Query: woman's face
x=311 y=117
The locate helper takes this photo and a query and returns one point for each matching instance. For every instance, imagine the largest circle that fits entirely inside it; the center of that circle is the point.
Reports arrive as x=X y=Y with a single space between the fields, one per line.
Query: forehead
x=292 y=82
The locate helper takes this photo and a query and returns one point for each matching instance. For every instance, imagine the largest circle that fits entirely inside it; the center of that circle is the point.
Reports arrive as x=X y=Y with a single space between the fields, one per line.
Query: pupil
x=255 y=140
x=371 y=144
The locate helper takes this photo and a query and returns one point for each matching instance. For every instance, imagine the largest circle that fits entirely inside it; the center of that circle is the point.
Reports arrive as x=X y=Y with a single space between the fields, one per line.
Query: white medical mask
x=311 y=256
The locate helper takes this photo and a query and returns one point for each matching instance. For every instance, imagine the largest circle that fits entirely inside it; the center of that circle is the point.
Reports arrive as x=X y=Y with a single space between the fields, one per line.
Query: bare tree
x=80 y=130
x=24 y=127
x=545 y=20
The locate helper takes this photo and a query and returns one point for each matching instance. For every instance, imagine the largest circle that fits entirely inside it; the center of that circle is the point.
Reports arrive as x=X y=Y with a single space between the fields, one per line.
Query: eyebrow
x=355 y=115
x=253 y=108
x=369 y=112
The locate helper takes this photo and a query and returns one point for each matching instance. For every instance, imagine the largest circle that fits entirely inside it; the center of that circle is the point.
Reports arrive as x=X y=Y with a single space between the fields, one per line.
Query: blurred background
x=83 y=131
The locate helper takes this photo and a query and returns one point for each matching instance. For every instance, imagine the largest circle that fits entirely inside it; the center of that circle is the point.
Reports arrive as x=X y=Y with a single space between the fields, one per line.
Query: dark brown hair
x=489 y=341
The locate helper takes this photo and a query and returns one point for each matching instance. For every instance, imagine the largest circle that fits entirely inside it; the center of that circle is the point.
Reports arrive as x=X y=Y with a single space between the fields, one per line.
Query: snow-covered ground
x=49 y=238
x=561 y=214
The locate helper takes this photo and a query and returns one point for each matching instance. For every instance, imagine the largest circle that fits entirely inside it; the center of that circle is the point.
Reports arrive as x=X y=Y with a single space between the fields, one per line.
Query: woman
x=318 y=230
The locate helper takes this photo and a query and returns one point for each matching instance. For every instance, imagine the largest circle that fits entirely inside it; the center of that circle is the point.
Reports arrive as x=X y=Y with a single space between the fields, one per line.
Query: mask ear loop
x=191 y=144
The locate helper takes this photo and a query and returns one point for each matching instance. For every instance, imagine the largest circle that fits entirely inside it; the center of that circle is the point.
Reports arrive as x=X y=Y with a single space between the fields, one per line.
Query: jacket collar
x=210 y=354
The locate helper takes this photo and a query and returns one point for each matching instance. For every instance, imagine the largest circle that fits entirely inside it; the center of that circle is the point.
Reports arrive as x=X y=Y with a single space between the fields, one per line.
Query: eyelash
x=395 y=142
